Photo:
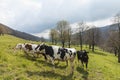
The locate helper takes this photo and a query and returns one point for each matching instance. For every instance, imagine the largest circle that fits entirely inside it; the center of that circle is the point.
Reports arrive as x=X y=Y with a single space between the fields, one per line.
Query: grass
x=18 y=66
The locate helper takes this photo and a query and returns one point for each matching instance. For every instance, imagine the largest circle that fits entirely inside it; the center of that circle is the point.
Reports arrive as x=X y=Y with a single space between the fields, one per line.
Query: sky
x=37 y=17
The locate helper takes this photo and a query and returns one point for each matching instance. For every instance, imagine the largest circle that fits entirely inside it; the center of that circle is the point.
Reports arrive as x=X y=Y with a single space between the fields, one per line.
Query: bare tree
x=69 y=36
x=82 y=28
x=54 y=36
x=112 y=42
x=117 y=21
x=92 y=37
x=62 y=27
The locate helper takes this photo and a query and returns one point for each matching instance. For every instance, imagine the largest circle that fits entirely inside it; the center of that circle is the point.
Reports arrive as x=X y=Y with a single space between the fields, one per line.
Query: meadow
x=15 y=65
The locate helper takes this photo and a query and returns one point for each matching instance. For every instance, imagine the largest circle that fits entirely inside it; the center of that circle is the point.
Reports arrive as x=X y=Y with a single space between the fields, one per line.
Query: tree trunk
x=69 y=40
x=52 y=42
x=89 y=46
x=63 y=44
x=115 y=51
x=92 y=47
x=81 y=41
x=69 y=44
x=119 y=56
x=55 y=42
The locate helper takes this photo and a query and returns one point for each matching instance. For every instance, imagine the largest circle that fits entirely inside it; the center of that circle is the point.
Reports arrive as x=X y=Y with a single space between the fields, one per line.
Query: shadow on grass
x=50 y=74
x=45 y=63
x=61 y=67
x=28 y=57
x=100 y=53
x=50 y=64
x=82 y=71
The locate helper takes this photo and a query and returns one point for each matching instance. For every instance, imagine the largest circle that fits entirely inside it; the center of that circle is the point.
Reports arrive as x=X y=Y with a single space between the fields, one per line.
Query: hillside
x=17 y=66
x=105 y=30
x=6 y=30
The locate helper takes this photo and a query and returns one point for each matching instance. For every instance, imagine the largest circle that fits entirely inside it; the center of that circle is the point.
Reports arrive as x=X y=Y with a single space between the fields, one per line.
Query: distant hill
x=6 y=30
x=105 y=30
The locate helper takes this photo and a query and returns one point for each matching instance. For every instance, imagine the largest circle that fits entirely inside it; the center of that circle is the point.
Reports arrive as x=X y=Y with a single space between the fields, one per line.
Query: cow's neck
x=49 y=51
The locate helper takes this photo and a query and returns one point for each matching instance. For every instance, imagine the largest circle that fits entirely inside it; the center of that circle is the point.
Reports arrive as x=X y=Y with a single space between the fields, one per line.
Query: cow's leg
x=67 y=62
x=86 y=65
x=52 y=60
x=37 y=54
x=45 y=57
x=33 y=54
x=57 y=61
x=78 y=62
x=72 y=65
x=26 y=52
x=82 y=63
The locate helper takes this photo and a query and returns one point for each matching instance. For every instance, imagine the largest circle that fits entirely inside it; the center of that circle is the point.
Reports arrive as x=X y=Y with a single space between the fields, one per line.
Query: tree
x=62 y=27
x=112 y=41
x=54 y=36
x=117 y=21
x=82 y=28
x=69 y=36
x=92 y=37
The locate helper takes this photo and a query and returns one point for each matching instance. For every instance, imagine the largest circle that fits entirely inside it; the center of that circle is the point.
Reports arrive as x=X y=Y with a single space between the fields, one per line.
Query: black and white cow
x=83 y=56
x=29 y=48
x=59 y=53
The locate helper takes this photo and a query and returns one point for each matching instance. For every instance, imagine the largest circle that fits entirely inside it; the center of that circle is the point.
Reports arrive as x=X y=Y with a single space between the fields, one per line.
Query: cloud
x=44 y=34
x=74 y=27
x=36 y=16
x=19 y=14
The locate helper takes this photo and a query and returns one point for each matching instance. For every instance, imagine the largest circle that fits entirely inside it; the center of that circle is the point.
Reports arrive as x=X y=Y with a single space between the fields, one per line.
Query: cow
x=29 y=48
x=58 y=53
x=83 y=56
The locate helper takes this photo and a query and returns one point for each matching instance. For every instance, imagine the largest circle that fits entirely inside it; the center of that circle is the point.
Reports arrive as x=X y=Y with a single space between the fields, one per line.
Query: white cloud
x=98 y=23
x=74 y=26
x=19 y=13
x=101 y=23
x=34 y=16
x=44 y=34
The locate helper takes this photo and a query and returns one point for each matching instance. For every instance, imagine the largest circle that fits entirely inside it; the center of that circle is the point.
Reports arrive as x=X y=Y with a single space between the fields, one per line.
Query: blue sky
x=39 y=16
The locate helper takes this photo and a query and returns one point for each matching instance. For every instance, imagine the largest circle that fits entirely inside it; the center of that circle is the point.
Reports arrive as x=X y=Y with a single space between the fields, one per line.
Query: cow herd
x=52 y=53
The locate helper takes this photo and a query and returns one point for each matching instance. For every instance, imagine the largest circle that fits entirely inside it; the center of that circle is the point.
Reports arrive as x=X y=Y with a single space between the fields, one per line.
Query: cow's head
x=19 y=46
x=42 y=46
x=85 y=52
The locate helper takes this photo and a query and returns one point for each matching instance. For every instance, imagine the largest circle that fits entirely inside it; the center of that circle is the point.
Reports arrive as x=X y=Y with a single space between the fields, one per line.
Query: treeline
x=108 y=38
x=84 y=34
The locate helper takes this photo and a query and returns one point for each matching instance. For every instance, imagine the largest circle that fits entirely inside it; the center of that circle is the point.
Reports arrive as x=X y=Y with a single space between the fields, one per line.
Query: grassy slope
x=17 y=66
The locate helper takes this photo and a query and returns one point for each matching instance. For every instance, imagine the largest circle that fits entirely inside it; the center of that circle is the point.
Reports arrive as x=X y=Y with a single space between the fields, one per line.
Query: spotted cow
x=58 y=53
x=29 y=48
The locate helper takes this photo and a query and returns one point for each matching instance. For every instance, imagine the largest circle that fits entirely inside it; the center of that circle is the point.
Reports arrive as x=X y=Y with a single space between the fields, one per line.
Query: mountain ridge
x=7 y=30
